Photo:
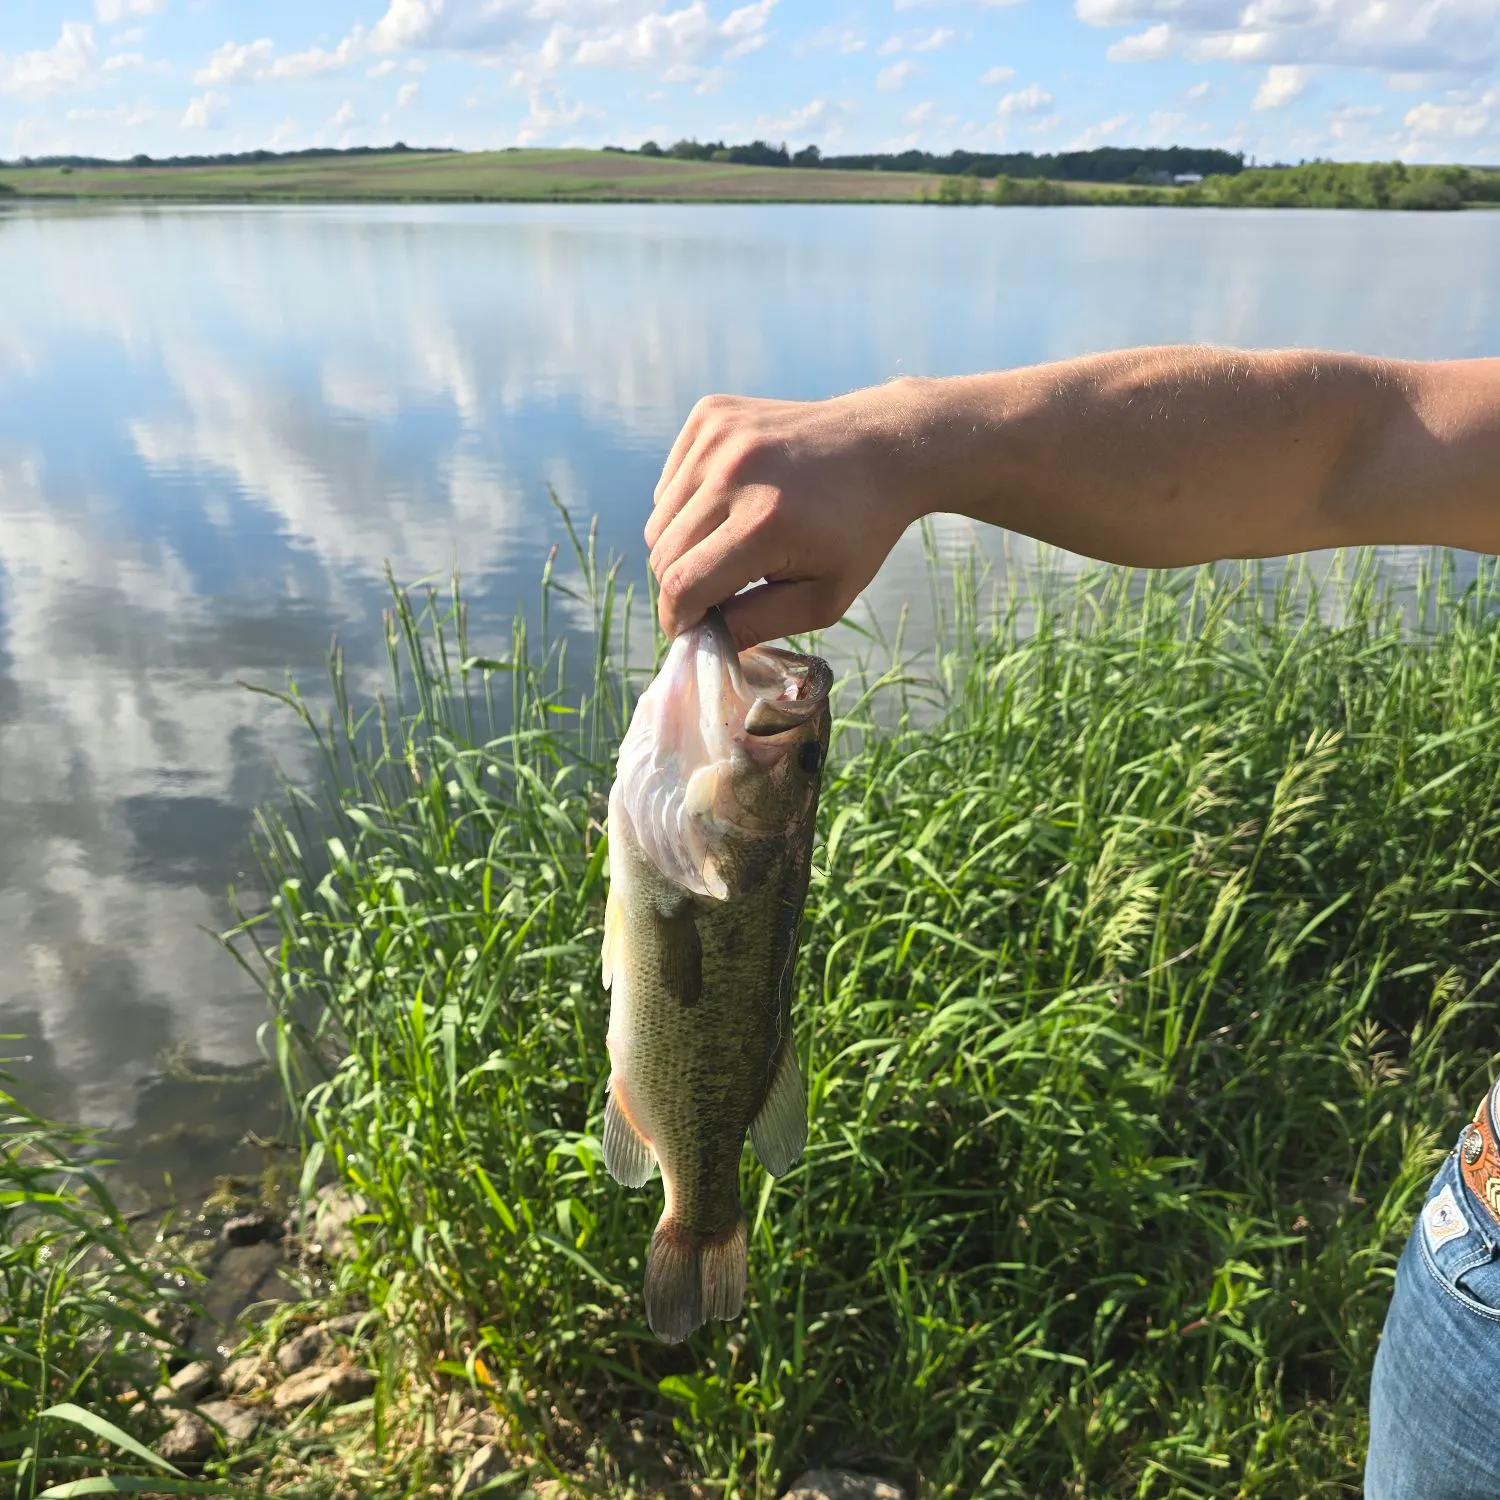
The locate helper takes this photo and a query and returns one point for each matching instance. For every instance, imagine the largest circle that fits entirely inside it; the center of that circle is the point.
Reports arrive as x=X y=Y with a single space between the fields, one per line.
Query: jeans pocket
x=1480 y=1283
x=1461 y=1244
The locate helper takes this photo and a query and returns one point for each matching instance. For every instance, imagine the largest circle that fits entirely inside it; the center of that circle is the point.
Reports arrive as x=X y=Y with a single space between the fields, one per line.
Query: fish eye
x=810 y=756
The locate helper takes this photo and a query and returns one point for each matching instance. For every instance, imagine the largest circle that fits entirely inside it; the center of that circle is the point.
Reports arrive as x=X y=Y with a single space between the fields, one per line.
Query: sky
x=1281 y=80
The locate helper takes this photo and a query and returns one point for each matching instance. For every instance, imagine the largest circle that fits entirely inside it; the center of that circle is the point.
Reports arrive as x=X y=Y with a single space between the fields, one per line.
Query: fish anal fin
x=691 y=1278
x=779 y=1131
x=627 y=1153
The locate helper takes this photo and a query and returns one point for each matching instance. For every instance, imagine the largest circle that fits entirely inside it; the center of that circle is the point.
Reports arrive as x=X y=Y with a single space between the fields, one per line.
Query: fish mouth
x=758 y=694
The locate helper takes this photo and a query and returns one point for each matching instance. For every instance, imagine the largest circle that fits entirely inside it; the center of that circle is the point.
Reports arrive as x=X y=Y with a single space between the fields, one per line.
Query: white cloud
x=406 y=93
x=1458 y=120
x=256 y=62
x=540 y=36
x=662 y=36
x=796 y=123
x=67 y=63
x=406 y=23
x=998 y=74
x=319 y=60
x=384 y=66
x=745 y=29
x=1092 y=135
x=844 y=40
x=917 y=41
x=129 y=115
x=1162 y=123
x=1032 y=100
x=918 y=114
x=1351 y=120
x=1283 y=83
x=1146 y=46
x=205 y=111
x=343 y=116
x=1460 y=36
x=123 y=60
x=977 y=4
x=544 y=119
x=235 y=61
x=285 y=132
x=887 y=80
x=1198 y=91
x=112 y=11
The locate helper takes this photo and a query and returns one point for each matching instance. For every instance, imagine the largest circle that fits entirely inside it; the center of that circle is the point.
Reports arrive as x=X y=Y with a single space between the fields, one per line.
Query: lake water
x=217 y=425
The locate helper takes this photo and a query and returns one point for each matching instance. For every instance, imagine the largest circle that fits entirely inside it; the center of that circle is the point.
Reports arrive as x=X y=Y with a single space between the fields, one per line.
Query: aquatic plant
x=1148 y=968
x=76 y=1336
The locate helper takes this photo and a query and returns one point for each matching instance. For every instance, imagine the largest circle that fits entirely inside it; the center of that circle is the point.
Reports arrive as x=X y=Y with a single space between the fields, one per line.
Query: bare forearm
x=1161 y=457
x=1152 y=457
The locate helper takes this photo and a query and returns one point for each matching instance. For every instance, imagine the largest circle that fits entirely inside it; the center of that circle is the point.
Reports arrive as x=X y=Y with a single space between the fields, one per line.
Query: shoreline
x=578 y=176
x=285 y=200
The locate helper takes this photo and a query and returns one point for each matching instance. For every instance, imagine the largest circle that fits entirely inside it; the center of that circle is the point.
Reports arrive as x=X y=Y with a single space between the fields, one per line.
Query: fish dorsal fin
x=627 y=1155
x=779 y=1131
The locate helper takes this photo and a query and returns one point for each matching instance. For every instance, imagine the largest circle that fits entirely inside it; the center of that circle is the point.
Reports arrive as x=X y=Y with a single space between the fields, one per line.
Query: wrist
x=931 y=444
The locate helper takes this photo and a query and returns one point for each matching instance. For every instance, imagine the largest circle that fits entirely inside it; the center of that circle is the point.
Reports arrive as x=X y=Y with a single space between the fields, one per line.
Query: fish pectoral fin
x=779 y=1131
x=627 y=1153
x=614 y=930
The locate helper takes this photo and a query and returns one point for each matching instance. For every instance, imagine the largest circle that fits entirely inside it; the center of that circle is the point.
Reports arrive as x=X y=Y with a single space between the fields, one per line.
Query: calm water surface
x=218 y=425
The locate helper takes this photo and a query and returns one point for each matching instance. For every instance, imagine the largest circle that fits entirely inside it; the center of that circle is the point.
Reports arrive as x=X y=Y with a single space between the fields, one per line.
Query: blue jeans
x=1435 y=1395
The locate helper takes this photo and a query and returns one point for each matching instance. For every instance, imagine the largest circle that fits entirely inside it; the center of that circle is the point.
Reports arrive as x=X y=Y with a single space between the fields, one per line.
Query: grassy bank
x=470 y=176
x=616 y=176
x=1140 y=991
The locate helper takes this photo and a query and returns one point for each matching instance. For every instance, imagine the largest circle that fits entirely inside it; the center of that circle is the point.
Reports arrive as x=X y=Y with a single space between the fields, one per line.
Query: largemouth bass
x=710 y=843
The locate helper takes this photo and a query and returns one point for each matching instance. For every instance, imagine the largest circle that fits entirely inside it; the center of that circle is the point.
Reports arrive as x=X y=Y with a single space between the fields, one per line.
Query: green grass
x=544 y=175
x=75 y=1343
x=1147 y=972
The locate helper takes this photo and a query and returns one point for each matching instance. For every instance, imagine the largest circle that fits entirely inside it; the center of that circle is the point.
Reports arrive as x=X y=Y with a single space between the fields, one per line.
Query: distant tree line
x=223 y=159
x=754 y=154
x=1318 y=184
x=1332 y=184
x=1143 y=164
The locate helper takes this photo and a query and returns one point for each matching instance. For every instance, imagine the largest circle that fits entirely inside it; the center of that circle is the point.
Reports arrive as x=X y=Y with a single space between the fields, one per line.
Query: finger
x=776 y=609
x=686 y=436
x=700 y=517
x=692 y=429
x=672 y=495
x=731 y=556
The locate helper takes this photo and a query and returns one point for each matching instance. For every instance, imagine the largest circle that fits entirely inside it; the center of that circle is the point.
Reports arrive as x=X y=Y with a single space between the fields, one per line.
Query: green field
x=516 y=176
x=502 y=176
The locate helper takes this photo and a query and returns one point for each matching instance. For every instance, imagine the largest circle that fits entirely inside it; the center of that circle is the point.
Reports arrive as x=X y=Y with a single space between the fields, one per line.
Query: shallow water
x=217 y=425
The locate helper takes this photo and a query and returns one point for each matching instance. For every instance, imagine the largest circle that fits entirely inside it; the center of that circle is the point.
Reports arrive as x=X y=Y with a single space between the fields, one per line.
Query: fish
x=710 y=836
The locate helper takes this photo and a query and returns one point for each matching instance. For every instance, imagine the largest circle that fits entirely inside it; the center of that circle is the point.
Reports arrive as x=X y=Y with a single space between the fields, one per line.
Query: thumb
x=776 y=609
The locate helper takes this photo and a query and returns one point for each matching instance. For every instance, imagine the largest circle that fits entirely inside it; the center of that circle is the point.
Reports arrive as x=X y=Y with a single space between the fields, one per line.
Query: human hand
x=808 y=495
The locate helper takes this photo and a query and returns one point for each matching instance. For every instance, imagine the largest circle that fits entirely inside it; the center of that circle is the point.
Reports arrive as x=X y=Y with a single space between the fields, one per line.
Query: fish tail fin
x=691 y=1278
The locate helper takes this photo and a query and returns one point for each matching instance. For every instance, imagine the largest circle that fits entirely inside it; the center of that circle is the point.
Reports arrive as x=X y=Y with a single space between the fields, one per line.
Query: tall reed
x=1143 y=981
x=76 y=1337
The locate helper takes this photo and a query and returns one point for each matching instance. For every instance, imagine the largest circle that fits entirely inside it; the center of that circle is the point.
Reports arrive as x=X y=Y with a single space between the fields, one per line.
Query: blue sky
x=1278 y=79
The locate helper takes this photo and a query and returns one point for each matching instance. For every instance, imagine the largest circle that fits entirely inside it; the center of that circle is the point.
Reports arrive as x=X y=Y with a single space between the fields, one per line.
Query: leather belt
x=1479 y=1155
